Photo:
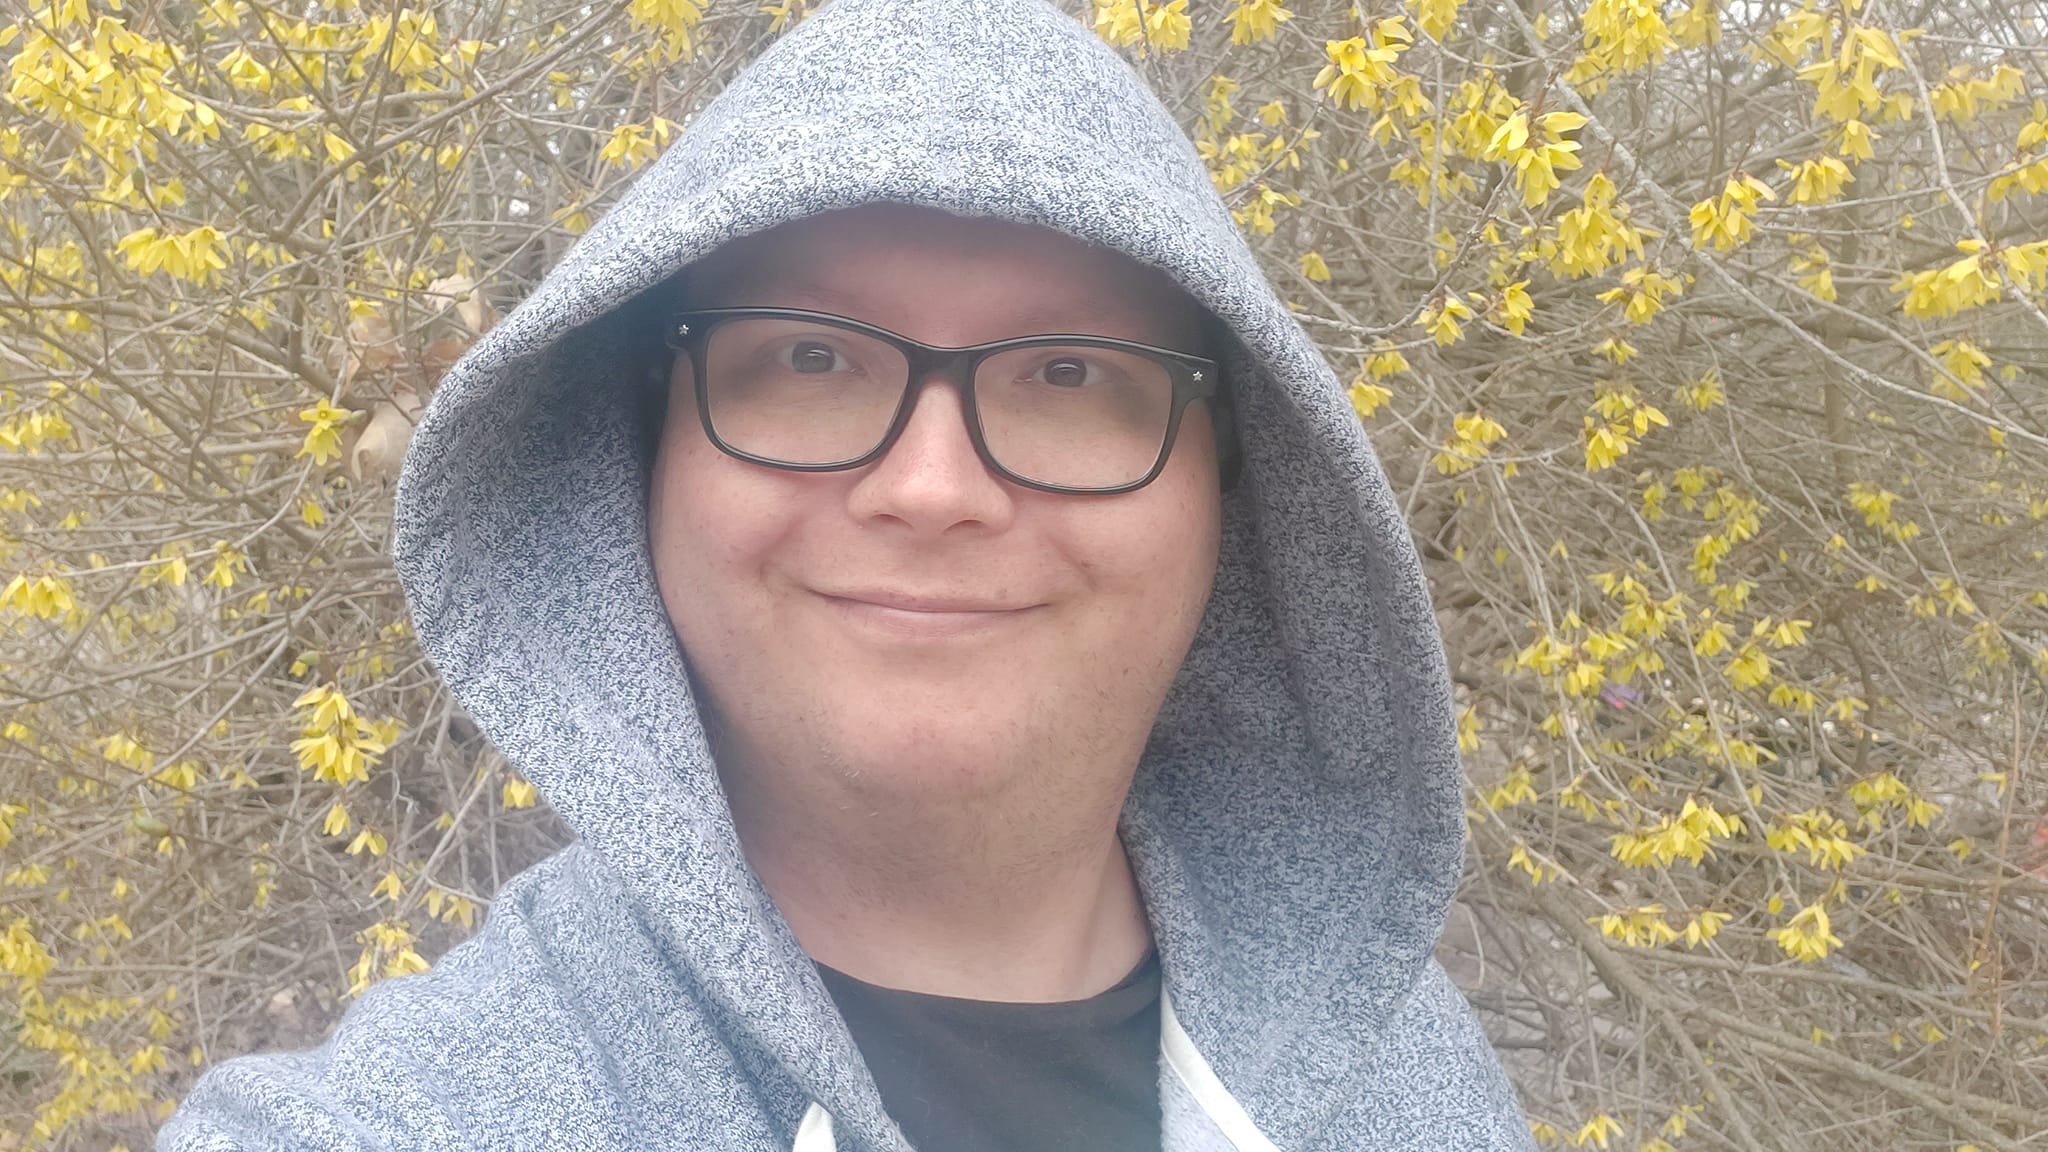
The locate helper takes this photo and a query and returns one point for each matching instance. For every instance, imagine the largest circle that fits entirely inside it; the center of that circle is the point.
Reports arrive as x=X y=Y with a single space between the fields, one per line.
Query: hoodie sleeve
x=298 y=1102
x=401 y=1069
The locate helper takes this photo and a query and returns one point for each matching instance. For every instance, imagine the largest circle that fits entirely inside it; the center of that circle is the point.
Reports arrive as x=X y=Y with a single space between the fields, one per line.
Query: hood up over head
x=1295 y=822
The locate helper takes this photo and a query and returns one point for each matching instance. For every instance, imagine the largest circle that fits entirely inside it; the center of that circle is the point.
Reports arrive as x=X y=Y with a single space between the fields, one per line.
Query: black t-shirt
x=990 y=1076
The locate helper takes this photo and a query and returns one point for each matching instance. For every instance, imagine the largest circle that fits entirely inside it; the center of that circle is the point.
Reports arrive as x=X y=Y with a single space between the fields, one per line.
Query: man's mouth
x=913 y=615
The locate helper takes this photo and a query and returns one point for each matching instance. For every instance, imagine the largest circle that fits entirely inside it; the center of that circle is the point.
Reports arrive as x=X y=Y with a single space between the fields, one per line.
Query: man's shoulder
x=1435 y=1060
x=513 y=1039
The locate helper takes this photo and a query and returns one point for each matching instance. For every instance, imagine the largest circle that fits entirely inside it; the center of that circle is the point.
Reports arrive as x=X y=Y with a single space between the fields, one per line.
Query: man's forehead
x=847 y=260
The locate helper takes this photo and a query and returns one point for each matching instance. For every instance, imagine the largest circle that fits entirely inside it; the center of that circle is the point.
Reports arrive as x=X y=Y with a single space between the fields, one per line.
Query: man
x=963 y=757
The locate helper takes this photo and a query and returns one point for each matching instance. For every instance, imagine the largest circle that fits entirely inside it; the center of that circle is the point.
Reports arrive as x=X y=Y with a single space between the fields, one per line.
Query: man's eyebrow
x=1077 y=313
x=1082 y=313
x=747 y=292
x=815 y=296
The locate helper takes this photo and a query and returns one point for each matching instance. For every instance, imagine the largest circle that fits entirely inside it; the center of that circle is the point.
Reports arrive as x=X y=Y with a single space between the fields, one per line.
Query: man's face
x=919 y=625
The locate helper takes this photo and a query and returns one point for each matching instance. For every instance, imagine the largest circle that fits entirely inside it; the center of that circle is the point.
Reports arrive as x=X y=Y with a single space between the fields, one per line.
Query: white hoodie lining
x=815 y=1133
x=1216 y=1102
x=1202 y=1083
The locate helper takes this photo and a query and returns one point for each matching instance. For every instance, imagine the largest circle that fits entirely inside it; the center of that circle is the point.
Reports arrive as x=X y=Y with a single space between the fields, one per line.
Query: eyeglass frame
x=1193 y=378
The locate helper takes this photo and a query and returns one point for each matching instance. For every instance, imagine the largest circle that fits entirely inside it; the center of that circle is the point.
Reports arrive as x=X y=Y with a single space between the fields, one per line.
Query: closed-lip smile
x=921 y=615
x=913 y=602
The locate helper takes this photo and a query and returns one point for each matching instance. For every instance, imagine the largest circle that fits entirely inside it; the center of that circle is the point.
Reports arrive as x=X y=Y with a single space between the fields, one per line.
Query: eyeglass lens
x=805 y=392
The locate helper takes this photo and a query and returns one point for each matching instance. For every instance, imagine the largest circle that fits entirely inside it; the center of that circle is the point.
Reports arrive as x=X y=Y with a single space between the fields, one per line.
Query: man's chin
x=927 y=752
x=919 y=778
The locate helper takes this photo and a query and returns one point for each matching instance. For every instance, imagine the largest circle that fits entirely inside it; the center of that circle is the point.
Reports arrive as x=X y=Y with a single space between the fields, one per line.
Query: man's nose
x=931 y=478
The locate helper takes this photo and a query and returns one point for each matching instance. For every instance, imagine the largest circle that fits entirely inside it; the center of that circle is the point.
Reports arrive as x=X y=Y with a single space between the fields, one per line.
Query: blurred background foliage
x=1704 y=341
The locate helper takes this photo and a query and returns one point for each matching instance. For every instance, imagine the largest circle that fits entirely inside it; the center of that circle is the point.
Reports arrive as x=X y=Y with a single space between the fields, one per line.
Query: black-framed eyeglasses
x=814 y=392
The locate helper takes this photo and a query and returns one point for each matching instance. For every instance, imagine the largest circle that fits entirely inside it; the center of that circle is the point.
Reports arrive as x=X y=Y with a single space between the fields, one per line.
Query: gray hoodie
x=1296 y=820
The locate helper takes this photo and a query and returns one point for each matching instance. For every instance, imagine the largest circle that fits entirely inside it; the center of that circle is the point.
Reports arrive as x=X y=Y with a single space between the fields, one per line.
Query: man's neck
x=1002 y=898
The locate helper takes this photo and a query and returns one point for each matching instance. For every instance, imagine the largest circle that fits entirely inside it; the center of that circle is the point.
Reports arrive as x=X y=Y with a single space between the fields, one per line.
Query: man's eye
x=1067 y=372
x=810 y=356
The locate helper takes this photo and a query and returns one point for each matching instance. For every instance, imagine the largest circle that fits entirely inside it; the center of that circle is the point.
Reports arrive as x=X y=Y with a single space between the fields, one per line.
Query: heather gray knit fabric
x=1295 y=822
